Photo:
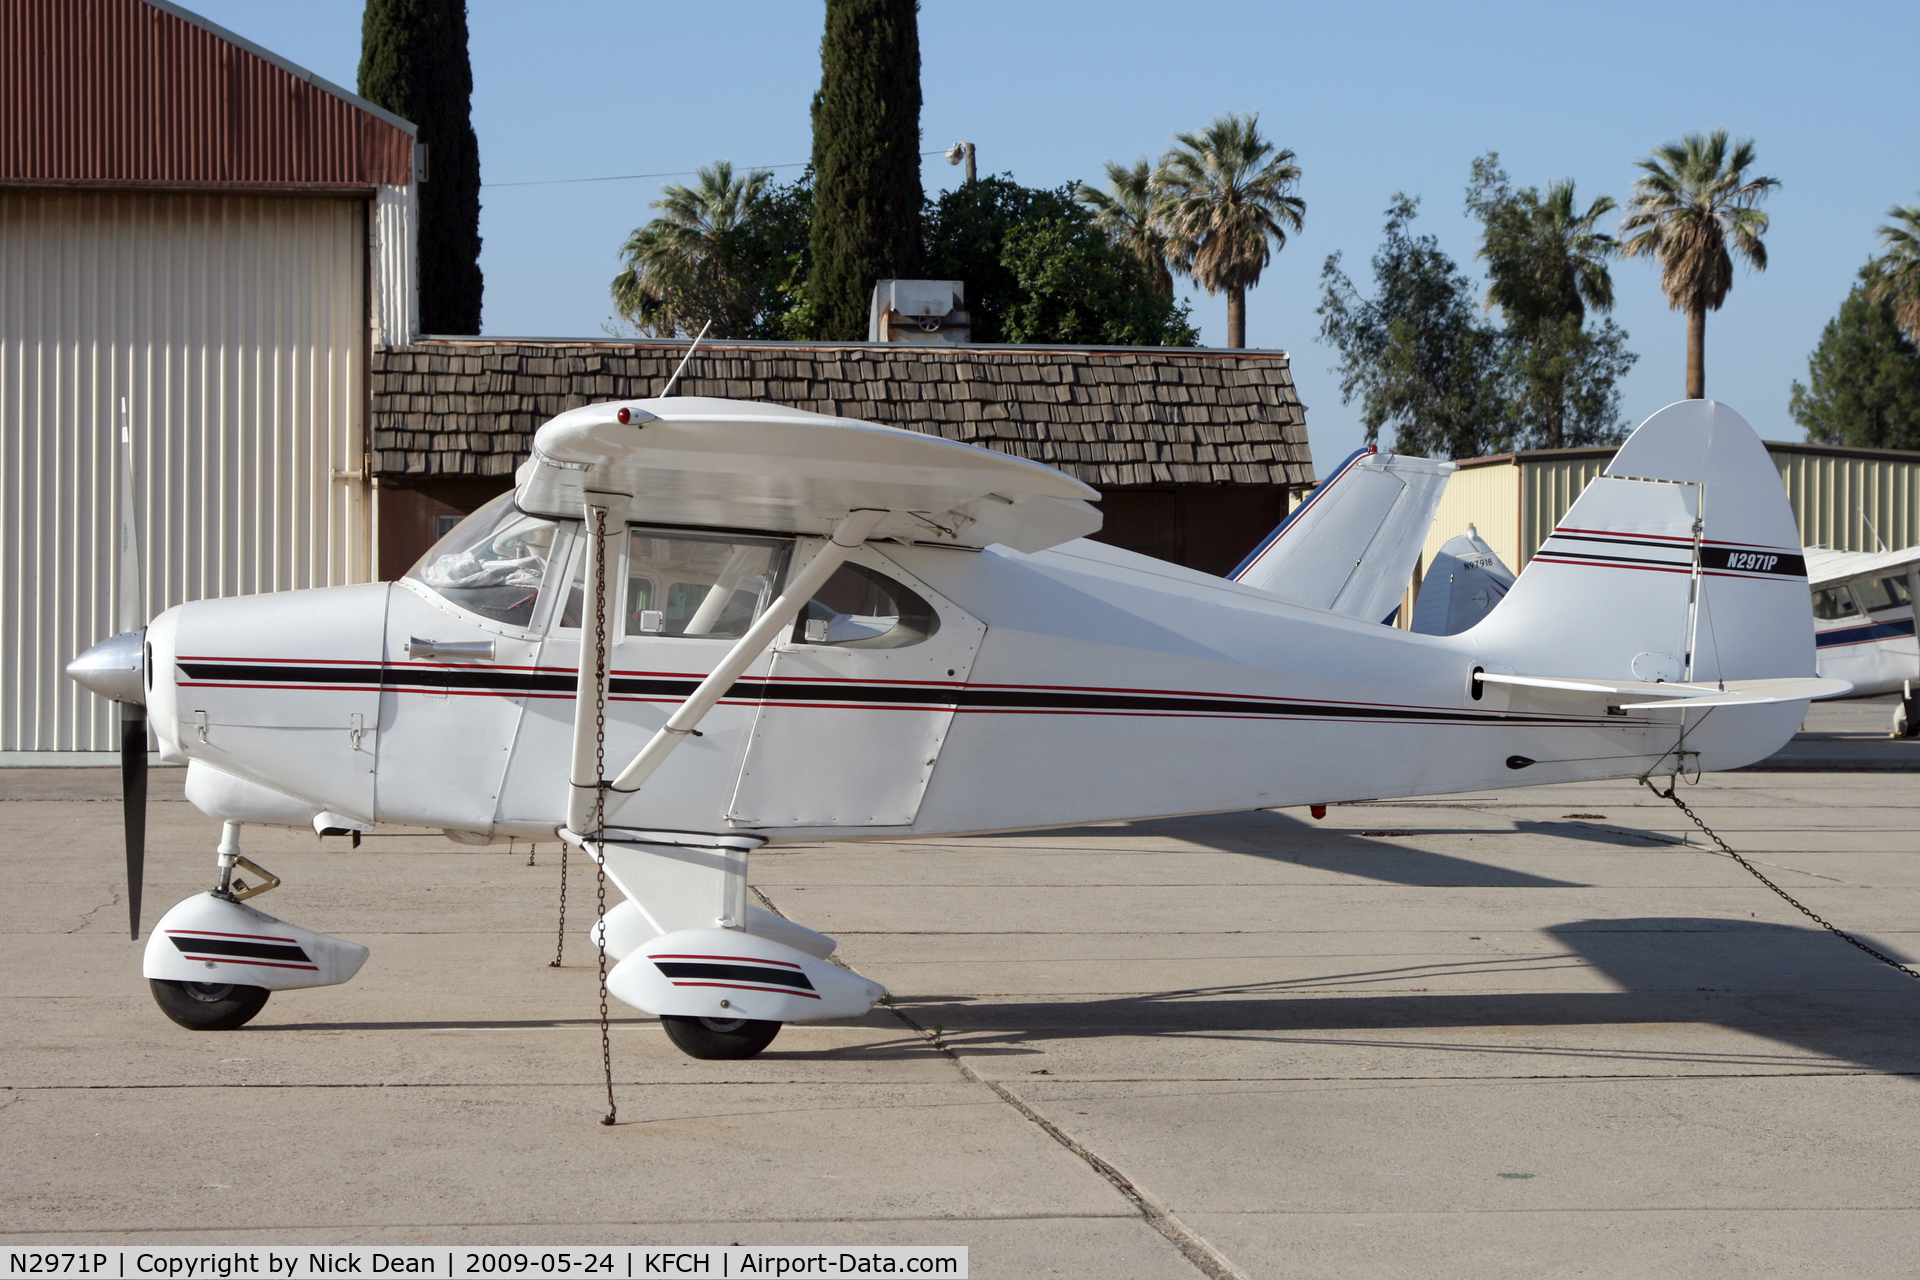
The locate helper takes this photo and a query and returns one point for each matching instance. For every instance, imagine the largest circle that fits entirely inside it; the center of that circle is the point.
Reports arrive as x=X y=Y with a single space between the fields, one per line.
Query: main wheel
x=210 y=1006
x=719 y=1037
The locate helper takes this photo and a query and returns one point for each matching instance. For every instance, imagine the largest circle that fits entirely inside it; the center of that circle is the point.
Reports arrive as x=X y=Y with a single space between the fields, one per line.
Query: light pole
x=962 y=151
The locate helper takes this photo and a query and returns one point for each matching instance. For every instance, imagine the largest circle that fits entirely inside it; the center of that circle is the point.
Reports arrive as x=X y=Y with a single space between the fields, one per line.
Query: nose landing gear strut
x=212 y=961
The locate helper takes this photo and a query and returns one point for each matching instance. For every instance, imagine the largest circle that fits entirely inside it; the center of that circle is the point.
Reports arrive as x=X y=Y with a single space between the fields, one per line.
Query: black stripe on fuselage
x=734 y=973
x=203 y=946
x=514 y=683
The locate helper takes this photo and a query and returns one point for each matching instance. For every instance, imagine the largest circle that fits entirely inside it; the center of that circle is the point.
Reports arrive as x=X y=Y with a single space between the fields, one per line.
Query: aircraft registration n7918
x=696 y=626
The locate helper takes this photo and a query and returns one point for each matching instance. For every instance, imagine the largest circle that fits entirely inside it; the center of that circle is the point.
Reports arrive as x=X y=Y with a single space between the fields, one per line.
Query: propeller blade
x=133 y=715
x=133 y=804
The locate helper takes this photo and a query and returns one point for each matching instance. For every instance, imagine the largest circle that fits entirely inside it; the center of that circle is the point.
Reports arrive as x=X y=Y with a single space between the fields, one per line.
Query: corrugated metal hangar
x=217 y=237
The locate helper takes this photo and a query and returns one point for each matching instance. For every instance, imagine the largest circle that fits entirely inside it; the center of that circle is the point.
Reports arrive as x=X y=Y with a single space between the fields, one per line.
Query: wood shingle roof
x=1113 y=417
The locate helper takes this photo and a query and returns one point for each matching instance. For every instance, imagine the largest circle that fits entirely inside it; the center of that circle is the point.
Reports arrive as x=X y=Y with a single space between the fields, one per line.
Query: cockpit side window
x=492 y=563
x=1881 y=593
x=1834 y=602
x=861 y=608
x=699 y=585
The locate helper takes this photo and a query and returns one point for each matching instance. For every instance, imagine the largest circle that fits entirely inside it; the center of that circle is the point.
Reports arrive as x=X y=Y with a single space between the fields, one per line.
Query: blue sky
x=1374 y=98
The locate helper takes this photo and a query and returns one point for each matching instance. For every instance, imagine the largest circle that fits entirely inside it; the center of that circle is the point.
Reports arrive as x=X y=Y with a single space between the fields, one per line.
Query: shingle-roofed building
x=1195 y=451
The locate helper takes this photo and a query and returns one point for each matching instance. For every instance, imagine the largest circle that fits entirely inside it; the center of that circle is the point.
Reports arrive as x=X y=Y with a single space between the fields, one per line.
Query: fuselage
x=937 y=690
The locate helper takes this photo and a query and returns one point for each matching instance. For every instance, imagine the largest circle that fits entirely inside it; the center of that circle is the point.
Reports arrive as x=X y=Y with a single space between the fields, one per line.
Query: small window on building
x=1833 y=602
x=692 y=584
x=860 y=608
x=492 y=563
x=1882 y=593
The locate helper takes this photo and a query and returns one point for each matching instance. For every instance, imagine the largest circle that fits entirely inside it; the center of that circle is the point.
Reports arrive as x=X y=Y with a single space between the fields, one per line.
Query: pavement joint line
x=1206 y=1259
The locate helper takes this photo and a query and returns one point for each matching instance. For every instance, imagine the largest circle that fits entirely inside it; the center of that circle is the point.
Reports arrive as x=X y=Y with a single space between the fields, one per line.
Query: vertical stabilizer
x=1465 y=581
x=1680 y=562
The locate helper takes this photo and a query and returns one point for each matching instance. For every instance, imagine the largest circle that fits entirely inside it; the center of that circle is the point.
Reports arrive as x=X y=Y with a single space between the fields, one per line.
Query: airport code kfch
x=722 y=1262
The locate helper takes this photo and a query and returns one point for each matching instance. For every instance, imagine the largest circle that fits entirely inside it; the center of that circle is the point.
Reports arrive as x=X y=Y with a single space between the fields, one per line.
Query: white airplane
x=697 y=626
x=1865 y=605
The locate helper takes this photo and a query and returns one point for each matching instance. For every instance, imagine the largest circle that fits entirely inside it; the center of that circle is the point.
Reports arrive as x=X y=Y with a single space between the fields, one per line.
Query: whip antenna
x=683 y=360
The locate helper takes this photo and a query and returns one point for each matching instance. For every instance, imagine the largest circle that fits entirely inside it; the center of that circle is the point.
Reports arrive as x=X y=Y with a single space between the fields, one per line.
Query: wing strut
x=847 y=536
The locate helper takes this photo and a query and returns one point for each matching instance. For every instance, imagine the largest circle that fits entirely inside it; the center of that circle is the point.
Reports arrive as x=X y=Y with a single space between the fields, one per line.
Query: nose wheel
x=719 y=1038
x=209 y=1006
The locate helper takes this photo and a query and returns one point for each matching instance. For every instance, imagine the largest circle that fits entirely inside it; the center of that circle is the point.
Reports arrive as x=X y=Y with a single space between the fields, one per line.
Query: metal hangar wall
x=219 y=238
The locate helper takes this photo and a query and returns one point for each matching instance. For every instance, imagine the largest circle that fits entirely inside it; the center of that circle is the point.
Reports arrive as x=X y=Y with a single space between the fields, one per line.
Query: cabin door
x=857 y=701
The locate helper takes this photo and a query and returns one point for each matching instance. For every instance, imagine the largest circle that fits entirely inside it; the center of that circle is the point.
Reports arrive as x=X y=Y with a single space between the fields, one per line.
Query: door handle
x=469 y=650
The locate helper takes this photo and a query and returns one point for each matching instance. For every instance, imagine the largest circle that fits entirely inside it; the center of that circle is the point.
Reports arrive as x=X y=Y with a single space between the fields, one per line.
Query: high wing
x=734 y=464
x=1826 y=567
x=1351 y=546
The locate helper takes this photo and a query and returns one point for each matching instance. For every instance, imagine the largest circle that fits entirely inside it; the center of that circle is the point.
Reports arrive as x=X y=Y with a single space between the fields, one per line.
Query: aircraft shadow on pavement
x=1282 y=838
x=1797 y=986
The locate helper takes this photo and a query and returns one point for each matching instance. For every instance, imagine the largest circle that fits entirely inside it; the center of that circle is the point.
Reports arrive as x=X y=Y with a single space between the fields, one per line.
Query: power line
x=677 y=173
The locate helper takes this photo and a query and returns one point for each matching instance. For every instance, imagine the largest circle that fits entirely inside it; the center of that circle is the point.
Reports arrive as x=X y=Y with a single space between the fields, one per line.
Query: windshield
x=492 y=563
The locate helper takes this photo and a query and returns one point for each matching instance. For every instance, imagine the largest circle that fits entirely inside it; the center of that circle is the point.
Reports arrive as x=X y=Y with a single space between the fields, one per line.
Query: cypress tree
x=866 y=160
x=413 y=62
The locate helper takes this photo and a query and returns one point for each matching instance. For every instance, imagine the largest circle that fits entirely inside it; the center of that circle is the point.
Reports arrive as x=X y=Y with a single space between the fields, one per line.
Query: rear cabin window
x=492 y=563
x=861 y=608
x=1834 y=602
x=1882 y=593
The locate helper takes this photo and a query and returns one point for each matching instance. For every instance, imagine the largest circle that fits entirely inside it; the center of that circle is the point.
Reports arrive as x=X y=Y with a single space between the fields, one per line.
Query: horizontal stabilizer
x=1668 y=694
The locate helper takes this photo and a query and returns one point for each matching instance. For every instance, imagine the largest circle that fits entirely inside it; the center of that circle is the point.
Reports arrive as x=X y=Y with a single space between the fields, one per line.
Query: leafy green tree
x=1417 y=354
x=866 y=160
x=1692 y=200
x=1226 y=201
x=1075 y=285
x=413 y=62
x=1560 y=384
x=1863 y=379
x=1546 y=260
x=1548 y=265
x=967 y=230
x=1895 y=277
x=1128 y=212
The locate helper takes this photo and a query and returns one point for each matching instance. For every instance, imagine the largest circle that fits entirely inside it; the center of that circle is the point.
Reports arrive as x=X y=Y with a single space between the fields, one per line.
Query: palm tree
x=1548 y=264
x=1126 y=212
x=1693 y=198
x=677 y=275
x=1895 y=278
x=1226 y=203
x=1547 y=261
